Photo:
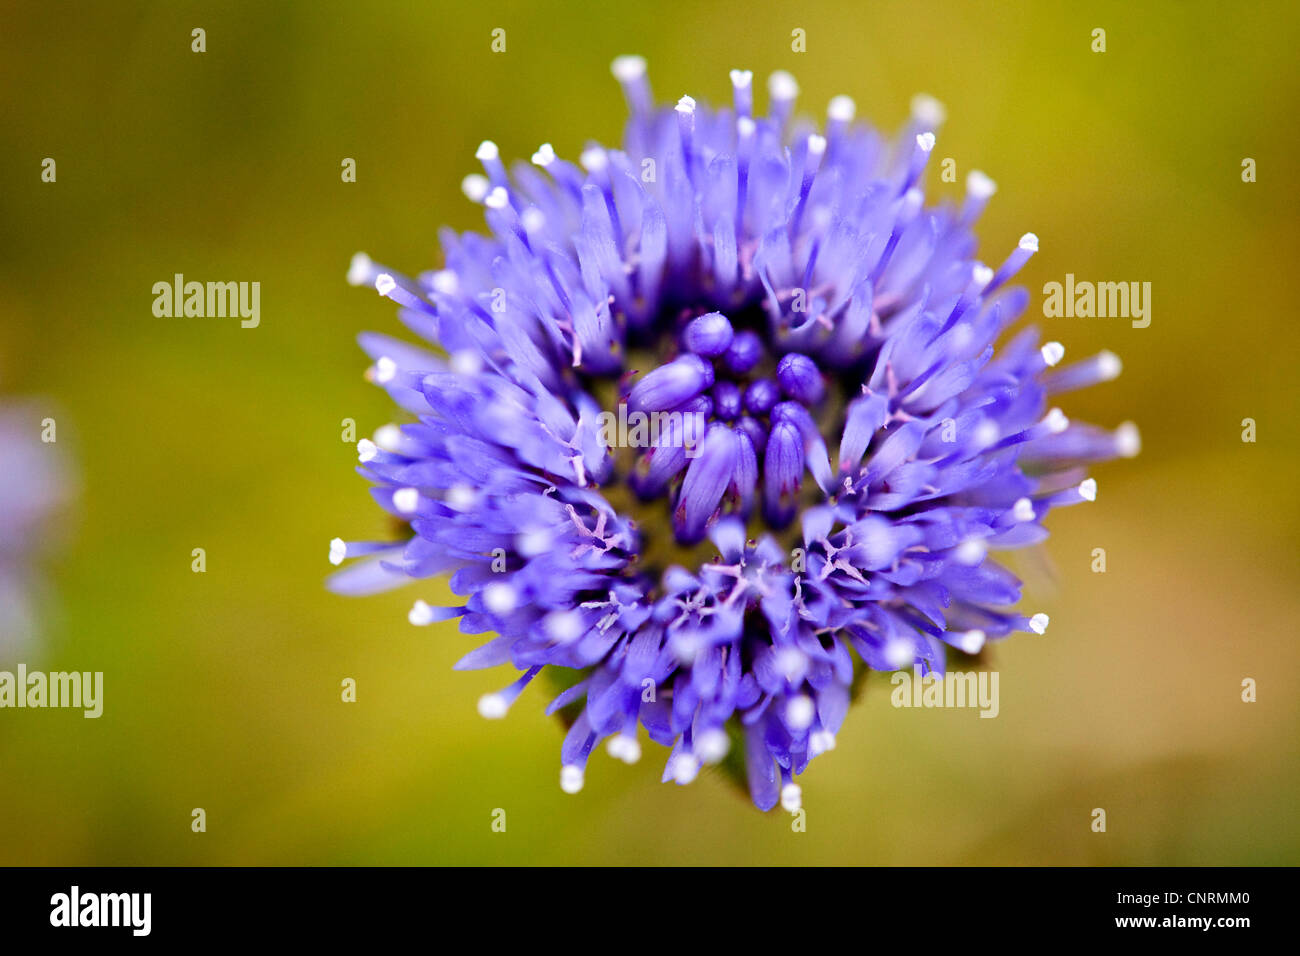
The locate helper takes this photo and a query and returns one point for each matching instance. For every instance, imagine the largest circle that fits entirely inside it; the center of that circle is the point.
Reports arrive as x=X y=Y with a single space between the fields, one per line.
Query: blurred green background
x=223 y=688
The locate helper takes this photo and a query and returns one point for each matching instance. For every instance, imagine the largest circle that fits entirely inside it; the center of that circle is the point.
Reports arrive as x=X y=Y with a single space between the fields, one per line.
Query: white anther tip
x=686 y=105
x=338 y=551
x=791 y=797
x=1023 y=510
x=563 y=626
x=475 y=187
x=979 y=185
x=1088 y=489
x=982 y=275
x=792 y=663
x=684 y=768
x=406 y=500
x=420 y=614
x=487 y=151
x=388 y=437
x=821 y=741
x=366 y=450
x=1128 y=441
x=1108 y=365
x=545 y=155
x=1053 y=352
x=782 y=86
x=500 y=597
x=445 y=282
x=497 y=198
x=712 y=745
x=1056 y=421
x=842 y=109
x=742 y=79
x=461 y=497
x=385 y=370
x=571 y=779
x=816 y=144
x=593 y=159
x=899 y=653
x=972 y=641
x=1038 y=623
x=384 y=283
x=971 y=551
x=928 y=110
x=799 y=712
x=1029 y=242
x=466 y=362
x=359 y=269
x=925 y=141
x=492 y=706
x=624 y=747
x=628 y=68
x=534 y=542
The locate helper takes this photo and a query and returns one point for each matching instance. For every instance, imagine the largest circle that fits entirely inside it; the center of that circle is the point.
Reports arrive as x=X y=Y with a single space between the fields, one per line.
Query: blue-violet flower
x=765 y=293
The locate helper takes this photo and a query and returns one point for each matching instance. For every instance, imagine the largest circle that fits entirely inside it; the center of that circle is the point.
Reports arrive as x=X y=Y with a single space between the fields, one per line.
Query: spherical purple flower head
x=32 y=486
x=788 y=291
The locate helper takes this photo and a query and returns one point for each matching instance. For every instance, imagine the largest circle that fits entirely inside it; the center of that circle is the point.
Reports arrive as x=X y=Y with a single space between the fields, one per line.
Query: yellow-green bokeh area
x=223 y=688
